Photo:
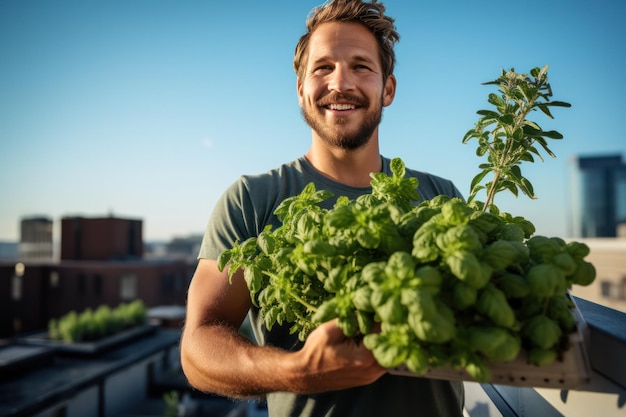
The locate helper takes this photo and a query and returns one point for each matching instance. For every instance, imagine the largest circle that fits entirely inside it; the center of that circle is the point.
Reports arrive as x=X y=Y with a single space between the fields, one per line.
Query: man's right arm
x=217 y=359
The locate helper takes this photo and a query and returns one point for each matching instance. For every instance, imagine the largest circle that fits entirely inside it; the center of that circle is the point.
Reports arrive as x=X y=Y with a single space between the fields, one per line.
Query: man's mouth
x=337 y=106
x=342 y=102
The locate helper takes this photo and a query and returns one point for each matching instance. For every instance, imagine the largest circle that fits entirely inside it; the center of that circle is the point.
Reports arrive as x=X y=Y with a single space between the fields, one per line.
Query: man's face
x=342 y=92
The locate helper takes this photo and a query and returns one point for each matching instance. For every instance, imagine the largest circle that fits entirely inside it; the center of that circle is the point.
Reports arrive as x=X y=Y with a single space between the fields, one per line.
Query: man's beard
x=348 y=140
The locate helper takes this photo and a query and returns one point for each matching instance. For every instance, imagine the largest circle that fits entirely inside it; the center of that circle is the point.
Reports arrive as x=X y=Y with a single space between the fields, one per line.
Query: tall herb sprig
x=514 y=138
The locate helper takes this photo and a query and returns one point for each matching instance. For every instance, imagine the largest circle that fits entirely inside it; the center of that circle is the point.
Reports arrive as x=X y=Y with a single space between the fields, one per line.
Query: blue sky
x=150 y=108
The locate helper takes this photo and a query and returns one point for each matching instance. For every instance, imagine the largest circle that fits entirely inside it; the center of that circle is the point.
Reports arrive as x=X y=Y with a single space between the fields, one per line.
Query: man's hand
x=331 y=361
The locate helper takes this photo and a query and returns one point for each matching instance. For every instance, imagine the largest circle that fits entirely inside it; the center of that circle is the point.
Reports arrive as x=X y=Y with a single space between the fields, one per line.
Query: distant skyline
x=149 y=109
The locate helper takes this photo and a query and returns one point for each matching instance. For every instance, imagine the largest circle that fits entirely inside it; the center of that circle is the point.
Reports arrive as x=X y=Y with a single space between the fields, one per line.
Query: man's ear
x=299 y=90
x=389 y=91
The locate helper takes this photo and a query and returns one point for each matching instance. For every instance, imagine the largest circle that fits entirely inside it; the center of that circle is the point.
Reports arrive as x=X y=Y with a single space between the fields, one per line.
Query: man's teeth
x=341 y=106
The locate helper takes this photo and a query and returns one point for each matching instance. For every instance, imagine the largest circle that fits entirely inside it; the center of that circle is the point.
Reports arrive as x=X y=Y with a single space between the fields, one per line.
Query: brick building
x=101 y=263
x=102 y=238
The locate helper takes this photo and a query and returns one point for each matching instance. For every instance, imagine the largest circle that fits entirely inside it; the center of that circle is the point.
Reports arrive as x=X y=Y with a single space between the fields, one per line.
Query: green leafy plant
x=452 y=283
x=514 y=138
x=90 y=325
x=171 y=399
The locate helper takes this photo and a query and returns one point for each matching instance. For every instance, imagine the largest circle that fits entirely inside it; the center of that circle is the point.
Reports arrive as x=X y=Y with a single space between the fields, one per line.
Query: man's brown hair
x=370 y=14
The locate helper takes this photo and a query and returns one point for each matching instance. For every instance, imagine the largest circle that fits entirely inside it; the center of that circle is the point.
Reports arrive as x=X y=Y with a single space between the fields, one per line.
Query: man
x=344 y=64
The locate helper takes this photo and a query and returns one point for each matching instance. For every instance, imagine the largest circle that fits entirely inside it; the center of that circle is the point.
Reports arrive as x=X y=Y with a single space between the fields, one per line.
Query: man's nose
x=341 y=79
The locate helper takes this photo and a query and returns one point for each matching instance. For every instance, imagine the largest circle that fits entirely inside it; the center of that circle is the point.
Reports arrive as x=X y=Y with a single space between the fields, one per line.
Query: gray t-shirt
x=243 y=211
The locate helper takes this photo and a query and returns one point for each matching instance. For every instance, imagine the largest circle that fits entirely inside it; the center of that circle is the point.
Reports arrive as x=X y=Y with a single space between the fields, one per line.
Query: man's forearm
x=217 y=359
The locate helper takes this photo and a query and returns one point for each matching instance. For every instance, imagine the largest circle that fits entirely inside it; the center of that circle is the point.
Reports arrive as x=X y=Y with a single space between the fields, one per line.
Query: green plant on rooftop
x=171 y=398
x=91 y=325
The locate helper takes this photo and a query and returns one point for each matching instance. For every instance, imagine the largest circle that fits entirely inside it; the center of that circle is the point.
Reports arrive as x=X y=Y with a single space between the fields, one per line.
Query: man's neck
x=350 y=167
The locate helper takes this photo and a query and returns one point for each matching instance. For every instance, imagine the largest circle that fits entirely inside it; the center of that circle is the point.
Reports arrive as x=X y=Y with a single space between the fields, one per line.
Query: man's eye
x=323 y=68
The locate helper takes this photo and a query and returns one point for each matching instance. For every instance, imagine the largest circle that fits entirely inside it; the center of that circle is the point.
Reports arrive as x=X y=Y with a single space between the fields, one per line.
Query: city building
x=599 y=196
x=33 y=293
x=598 y=218
x=101 y=238
x=101 y=263
x=36 y=239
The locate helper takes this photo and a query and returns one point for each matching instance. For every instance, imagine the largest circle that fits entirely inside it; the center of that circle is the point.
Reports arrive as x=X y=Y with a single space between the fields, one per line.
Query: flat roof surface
x=24 y=392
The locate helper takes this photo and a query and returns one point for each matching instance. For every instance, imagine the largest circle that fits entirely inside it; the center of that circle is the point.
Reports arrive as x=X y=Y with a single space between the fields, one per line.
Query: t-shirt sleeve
x=228 y=222
x=453 y=191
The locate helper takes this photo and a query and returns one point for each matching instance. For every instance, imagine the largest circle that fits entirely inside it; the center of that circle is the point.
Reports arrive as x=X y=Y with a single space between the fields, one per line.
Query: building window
x=54 y=279
x=16 y=288
x=614 y=290
x=97 y=284
x=81 y=283
x=16 y=281
x=128 y=287
x=167 y=281
x=17 y=325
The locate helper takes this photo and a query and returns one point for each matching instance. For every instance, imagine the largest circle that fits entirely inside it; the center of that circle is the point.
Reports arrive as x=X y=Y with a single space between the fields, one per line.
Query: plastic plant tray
x=571 y=372
x=93 y=347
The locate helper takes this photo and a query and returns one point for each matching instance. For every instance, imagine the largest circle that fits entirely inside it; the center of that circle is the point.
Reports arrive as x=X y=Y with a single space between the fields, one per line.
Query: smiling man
x=341 y=88
x=344 y=65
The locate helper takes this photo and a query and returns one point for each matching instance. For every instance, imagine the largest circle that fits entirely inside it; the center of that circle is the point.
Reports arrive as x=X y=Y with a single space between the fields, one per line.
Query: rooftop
x=133 y=378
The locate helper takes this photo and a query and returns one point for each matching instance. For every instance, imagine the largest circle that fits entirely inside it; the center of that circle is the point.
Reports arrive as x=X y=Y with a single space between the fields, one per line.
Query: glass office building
x=599 y=194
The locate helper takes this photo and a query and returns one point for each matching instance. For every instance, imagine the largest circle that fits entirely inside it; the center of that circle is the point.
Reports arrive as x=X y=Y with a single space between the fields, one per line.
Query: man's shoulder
x=285 y=170
x=266 y=189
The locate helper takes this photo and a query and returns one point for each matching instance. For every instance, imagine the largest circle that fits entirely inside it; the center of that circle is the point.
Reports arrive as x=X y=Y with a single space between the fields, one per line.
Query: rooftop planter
x=94 y=331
